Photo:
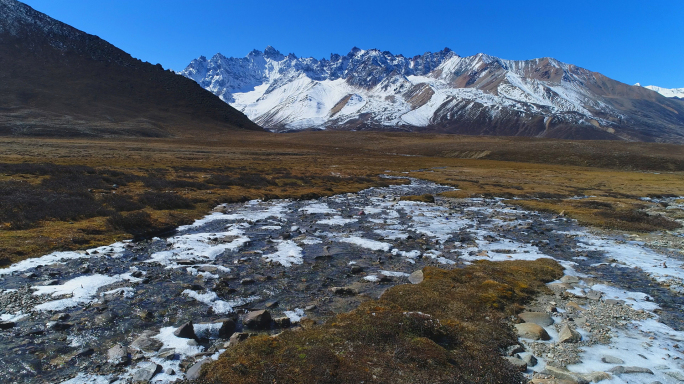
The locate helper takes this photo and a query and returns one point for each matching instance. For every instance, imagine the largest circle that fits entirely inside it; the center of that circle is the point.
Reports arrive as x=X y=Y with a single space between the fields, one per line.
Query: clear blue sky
x=628 y=40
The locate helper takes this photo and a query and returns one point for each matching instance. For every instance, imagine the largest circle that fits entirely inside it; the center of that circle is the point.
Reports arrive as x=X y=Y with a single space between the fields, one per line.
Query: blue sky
x=631 y=41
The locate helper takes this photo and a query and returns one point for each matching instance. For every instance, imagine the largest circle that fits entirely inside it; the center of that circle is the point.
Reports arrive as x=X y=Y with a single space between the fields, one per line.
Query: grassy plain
x=61 y=194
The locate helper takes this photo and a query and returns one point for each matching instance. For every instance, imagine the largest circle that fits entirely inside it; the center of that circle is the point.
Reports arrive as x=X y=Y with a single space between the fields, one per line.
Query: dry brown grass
x=451 y=328
x=211 y=170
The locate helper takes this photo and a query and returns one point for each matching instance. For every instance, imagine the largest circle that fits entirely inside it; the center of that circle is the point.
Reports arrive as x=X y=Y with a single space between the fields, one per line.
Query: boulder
x=227 y=328
x=257 y=320
x=144 y=375
x=146 y=343
x=539 y=318
x=416 y=277
x=118 y=355
x=531 y=331
x=355 y=269
x=194 y=372
x=568 y=335
x=530 y=360
x=185 y=331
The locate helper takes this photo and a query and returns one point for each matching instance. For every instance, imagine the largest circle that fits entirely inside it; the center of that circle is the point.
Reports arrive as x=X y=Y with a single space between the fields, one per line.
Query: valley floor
x=314 y=249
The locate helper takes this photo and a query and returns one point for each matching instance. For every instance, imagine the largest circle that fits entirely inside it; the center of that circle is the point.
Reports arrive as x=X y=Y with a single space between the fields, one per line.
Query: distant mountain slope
x=667 y=92
x=441 y=92
x=58 y=81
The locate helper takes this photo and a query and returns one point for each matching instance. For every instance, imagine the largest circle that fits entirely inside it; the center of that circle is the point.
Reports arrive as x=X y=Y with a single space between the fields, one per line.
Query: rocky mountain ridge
x=438 y=92
x=667 y=92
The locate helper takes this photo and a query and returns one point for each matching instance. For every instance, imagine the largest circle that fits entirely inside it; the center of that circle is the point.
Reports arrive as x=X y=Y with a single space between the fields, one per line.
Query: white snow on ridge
x=667 y=92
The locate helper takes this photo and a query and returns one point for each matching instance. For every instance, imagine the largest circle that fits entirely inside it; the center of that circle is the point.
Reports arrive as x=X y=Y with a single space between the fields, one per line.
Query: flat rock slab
x=612 y=360
x=144 y=375
x=539 y=318
x=194 y=372
x=532 y=331
x=619 y=370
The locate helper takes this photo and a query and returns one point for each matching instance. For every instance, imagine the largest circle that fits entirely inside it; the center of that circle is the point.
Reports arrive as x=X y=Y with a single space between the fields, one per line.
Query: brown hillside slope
x=58 y=81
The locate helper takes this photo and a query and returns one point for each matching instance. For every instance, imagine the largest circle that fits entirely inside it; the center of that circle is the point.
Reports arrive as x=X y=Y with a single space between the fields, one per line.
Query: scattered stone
x=144 y=375
x=344 y=291
x=185 y=331
x=247 y=281
x=619 y=370
x=612 y=360
x=614 y=302
x=257 y=320
x=539 y=318
x=568 y=335
x=282 y=322
x=117 y=355
x=356 y=269
x=594 y=295
x=227 y=329
x=517 y=363
x=416 y=277
x=170 y=371
x=272 y=304
x=552 y=381
x=532 y=331
x=167 y=353
x=208 y=269
x=311 y=307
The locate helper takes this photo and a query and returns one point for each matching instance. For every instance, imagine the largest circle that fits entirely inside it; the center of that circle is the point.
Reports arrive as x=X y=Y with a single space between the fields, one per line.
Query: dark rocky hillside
x=58 y=81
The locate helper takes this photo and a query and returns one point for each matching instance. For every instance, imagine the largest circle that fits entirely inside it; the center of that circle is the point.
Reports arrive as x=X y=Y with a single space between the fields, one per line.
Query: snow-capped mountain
x=441 y=91
x=667 y=92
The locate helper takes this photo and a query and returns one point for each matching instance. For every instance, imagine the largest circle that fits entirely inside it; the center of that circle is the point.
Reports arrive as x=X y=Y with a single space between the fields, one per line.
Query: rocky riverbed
x=153 y=311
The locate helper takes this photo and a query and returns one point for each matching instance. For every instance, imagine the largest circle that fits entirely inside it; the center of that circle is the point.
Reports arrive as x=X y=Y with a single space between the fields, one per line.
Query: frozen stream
x=64 y=311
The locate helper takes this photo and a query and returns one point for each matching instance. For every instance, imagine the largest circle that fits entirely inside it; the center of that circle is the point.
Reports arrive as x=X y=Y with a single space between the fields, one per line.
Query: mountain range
x=58 y=81
x=437 y=92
